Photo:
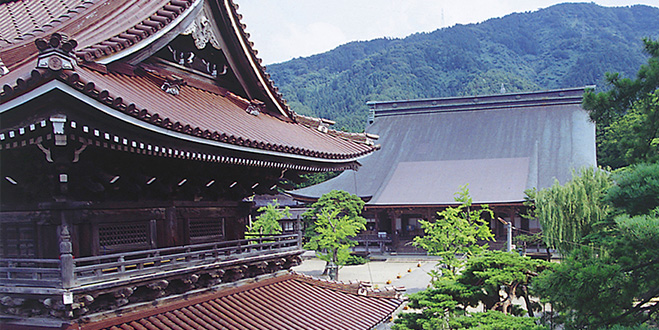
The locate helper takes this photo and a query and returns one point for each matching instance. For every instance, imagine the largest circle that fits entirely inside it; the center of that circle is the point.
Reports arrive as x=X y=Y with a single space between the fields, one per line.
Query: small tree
x=333 y=236
x=267 y=223
x=484 y=278
x=336 y=204
x=346 y=203
x=456 y=231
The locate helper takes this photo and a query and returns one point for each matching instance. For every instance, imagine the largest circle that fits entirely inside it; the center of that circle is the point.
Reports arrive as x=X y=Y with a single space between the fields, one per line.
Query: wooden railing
x=30 y=272
x=373 y=238
x=378 y=240
x=52 y=273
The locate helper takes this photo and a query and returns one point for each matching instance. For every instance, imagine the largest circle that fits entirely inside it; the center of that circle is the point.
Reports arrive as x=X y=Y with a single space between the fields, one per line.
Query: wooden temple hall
x=131 y=134
x=500 y=145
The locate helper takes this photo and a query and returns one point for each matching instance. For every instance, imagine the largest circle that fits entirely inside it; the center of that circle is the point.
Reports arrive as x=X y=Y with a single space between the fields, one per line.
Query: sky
x=286 y=29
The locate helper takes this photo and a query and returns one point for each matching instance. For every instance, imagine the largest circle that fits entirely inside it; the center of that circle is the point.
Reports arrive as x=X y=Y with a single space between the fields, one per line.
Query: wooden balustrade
x=30 y=272
x=50 y=273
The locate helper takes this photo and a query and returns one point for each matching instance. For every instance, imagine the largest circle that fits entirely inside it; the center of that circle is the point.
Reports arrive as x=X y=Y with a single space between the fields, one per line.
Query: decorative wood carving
x=202 y=32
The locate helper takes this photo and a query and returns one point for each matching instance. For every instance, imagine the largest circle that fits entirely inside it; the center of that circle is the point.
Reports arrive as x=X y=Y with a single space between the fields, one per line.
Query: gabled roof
x=499 y=144
x=283 y=302
x=109 y=44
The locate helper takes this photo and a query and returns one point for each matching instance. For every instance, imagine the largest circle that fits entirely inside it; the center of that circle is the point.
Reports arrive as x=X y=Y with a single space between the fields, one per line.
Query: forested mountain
x=566 y=45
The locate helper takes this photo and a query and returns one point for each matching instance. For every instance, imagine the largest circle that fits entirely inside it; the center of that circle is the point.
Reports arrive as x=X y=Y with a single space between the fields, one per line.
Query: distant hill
x=566 y=45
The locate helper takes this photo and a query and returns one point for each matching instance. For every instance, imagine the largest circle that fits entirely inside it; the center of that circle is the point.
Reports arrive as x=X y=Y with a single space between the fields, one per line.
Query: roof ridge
x=323 y=125
x=476 y=103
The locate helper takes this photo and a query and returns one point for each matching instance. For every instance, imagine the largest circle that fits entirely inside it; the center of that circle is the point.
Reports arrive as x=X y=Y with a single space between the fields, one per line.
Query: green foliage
x=636 y=189
x=494 y=320
x=337 y=219
x=496 y=271
x=609 y=284
x=634 y=136
x=627 y=115
x=631 y=327
x=568 y=213
x=267 y=223
x=532 y=239
x=355 y=260
x=445 y=305
x=561 y=46
x=456 y=231
x=310 y=179
x=346 y=203
x=333 y=235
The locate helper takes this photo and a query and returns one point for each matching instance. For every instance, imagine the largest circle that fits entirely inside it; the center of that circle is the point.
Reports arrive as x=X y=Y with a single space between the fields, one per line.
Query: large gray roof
x=500 y=145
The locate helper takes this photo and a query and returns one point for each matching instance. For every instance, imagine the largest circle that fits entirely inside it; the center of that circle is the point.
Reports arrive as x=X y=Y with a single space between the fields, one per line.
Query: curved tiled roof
x=204 y=109
x=105 y=28
x=27 y=19
x=101 y=28
x=217 y=115
x=284 y=302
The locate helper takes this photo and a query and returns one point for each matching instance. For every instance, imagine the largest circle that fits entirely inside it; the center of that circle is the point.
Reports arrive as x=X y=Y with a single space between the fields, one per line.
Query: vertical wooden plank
x=95 y=244
x=171 y=226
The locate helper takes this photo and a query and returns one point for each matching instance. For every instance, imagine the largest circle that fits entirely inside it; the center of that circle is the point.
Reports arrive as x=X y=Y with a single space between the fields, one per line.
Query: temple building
x=132 y=134
x=497 y=145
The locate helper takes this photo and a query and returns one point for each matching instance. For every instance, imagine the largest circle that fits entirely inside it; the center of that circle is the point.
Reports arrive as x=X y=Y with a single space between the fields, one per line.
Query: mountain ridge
x=565 y=45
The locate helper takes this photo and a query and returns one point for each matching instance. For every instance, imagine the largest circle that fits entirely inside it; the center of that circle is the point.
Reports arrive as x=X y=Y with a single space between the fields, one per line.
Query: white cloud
x=306 y=40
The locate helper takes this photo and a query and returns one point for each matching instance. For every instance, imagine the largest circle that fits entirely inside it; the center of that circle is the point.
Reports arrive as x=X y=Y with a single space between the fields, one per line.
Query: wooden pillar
x=66 y=257
x=171 y=226
x=394 y=232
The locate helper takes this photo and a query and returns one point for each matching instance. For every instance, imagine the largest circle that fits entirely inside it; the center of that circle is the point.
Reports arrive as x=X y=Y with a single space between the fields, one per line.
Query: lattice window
x=122 y=236
x=206 y=229
x=287 y=226
x=18 y=240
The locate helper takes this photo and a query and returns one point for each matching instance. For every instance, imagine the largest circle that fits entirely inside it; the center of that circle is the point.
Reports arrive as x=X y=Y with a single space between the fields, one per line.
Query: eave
x=136 y=122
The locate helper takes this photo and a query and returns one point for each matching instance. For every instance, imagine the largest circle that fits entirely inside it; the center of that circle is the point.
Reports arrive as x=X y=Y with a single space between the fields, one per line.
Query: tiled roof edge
x=259 y=62
x=40 y=76
x=356 y=288
x=156 y=22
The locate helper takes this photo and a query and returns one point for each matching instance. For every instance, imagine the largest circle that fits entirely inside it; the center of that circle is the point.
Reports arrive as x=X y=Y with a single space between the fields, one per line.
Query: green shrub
x=356 y=260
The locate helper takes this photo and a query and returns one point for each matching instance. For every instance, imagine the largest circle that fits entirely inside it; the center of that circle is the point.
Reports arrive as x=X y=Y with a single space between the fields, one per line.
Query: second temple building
x=497 y=146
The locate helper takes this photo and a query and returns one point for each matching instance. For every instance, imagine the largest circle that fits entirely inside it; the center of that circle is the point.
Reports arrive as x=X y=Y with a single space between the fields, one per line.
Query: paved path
x=412 y=270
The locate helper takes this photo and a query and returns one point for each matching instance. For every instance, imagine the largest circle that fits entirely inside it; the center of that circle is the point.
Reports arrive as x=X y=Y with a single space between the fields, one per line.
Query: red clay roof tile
x=285 y=302
x=199 y=108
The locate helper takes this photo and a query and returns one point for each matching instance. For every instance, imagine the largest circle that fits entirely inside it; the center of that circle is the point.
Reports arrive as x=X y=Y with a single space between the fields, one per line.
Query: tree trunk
x=529 y=307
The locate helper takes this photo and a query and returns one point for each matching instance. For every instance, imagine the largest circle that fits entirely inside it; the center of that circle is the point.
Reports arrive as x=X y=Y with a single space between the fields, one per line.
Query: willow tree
x=569 y=212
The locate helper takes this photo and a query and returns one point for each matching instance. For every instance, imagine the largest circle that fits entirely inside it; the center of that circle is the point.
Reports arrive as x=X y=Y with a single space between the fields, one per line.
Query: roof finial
x=503 y=89
x=56 y=53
